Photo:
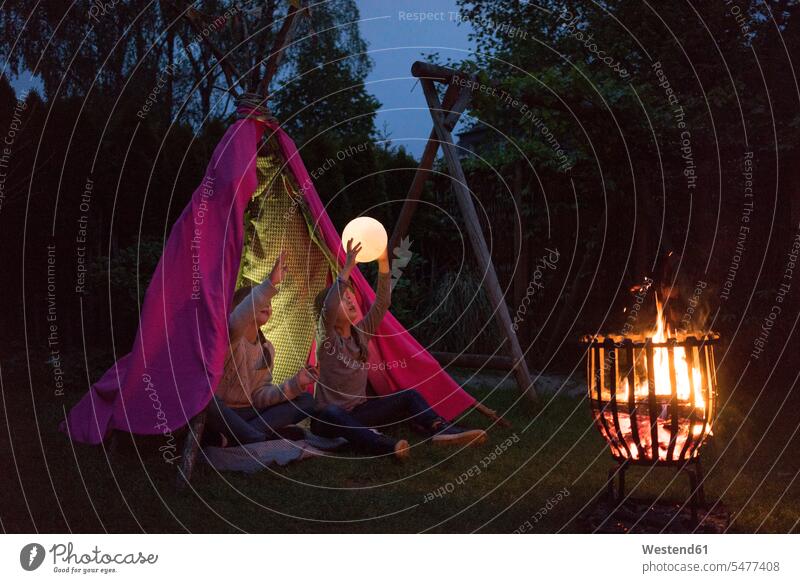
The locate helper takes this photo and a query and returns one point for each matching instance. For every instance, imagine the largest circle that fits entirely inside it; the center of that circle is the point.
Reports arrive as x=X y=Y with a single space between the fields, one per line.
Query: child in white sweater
x=248 y=406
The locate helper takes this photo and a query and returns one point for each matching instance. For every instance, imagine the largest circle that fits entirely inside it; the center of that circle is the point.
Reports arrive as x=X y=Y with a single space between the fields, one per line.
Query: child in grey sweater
x=346 y=410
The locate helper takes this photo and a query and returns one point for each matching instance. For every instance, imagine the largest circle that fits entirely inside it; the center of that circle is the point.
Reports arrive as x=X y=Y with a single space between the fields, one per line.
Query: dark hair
x=241 y=295
x=319 y=303
x=319 y=300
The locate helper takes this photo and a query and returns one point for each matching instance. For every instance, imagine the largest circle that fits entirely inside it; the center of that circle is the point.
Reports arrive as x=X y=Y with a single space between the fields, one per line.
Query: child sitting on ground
x=341 y=390
x=248 y=406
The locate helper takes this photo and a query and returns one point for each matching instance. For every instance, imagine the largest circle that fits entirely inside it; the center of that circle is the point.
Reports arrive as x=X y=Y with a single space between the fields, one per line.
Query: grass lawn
x=50 y=486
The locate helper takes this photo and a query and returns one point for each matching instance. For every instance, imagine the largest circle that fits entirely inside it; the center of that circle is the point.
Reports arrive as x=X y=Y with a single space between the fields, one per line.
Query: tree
x=650 y=105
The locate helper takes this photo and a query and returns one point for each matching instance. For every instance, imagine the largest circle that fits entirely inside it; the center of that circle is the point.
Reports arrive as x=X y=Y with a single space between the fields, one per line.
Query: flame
x=682 y=375
x=688 y=383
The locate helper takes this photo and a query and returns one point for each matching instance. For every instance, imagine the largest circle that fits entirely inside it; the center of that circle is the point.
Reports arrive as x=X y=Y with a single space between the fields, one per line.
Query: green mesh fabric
x=276 y=219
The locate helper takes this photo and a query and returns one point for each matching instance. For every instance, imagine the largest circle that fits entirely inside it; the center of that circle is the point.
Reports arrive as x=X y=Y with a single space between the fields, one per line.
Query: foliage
x=457 y=315
x=127 y=274
x=656 y=154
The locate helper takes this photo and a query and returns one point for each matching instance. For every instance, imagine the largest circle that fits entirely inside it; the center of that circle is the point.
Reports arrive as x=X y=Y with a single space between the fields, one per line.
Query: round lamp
x=370 y=233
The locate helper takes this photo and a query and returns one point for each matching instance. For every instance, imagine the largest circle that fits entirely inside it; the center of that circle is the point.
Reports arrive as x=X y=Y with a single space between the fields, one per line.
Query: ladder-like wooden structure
x=445 y=114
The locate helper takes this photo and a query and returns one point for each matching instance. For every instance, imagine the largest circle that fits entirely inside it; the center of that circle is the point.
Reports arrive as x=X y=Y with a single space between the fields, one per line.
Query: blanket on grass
x=253 y=457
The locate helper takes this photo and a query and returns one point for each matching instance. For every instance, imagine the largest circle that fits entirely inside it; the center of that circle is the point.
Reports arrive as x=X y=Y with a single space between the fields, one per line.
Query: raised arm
x=334 y=298
x=242 y=318
x=383 y=297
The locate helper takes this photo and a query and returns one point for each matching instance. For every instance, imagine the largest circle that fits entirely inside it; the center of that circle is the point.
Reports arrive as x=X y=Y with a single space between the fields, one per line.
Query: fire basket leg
x=612 y=472
x=616 y=473
x=692 y=492
x=701 y=496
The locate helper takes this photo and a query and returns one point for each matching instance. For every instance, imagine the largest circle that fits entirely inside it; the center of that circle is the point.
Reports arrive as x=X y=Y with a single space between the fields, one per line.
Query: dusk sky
x=395 y=42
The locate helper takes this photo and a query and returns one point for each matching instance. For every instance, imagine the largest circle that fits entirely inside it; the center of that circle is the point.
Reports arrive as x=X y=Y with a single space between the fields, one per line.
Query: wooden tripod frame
x=445 y=115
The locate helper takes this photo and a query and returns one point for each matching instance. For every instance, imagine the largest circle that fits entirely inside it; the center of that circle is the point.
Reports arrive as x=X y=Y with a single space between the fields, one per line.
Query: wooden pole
x=456 y=100
x=282 y=40
x=473 y=227
x=434 y=72
x=191 y=447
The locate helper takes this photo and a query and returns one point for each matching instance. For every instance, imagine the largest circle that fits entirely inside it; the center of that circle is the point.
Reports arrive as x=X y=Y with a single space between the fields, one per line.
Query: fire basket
x=653 y=399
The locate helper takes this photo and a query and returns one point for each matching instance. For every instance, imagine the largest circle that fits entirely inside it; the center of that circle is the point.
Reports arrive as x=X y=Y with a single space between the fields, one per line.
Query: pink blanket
x=180 y=348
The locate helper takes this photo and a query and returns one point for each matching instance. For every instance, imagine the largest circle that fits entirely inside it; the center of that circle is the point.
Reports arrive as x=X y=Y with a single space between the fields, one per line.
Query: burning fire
x=686 y=383
x=689 y=391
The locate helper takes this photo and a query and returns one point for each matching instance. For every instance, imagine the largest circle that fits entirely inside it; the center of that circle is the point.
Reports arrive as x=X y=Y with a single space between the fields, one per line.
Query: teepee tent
x=180 y=348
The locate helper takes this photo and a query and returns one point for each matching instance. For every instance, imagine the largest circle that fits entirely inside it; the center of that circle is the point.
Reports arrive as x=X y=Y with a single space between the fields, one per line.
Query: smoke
x=694 y=308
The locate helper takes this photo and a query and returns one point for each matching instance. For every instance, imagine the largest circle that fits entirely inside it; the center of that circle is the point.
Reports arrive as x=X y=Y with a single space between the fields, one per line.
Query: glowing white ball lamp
x=370 y=233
